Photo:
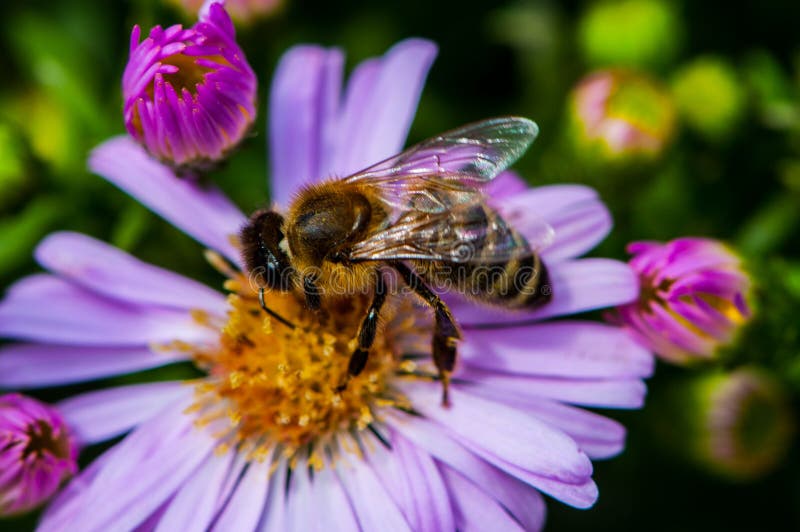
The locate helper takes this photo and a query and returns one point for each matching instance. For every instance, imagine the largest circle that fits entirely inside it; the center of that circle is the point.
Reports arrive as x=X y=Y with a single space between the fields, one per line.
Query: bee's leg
x=367 y=331
x=311 y=291
x=270 y=311
x=445 y=333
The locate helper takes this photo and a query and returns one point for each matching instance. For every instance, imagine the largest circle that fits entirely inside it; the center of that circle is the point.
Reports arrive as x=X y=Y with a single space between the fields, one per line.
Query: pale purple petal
x=597 y=436
x=48 y=309
x=475 y=510
x=113 y=273
x=510 y=493
x=607 y=393
x=145 y=469
x=371 y=503
x=380 y=105
x=563 y=221
x=232 y=478
x=192 y=508
x=505 y=186
x=303 y=102
x=201 y=211
x=551 y=200
x=411 y=477
x=332 y=508
x=578 y=286
x=499 y=433
x=274 y=516
x=579 y=349
x=300 y=501
x=68 y=499
x=41 y=365
x=105 y=414
x=577 y=230
x=243 y=510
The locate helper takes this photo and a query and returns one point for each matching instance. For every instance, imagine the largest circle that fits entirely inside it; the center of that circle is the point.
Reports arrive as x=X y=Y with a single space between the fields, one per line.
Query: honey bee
x=422 y=213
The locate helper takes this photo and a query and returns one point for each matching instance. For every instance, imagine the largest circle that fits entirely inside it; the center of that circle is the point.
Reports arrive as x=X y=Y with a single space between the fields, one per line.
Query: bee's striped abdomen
x=518 y=282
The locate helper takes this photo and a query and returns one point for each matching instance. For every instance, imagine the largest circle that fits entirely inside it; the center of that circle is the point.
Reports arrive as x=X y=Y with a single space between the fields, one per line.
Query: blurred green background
x=713 y=85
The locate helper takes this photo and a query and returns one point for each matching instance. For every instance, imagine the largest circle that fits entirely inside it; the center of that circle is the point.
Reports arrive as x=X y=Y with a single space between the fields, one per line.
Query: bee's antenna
x=272 y=312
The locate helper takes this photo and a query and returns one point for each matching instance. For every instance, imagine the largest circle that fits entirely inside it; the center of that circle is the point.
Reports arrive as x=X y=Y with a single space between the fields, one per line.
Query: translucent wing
x=450 y=168
x=468 y=233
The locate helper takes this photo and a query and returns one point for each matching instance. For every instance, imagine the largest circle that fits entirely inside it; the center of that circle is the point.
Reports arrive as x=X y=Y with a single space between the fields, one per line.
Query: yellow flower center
x=277 y=386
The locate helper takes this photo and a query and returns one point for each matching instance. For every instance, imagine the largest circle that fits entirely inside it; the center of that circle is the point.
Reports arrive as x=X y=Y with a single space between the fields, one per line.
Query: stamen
x=275 y=387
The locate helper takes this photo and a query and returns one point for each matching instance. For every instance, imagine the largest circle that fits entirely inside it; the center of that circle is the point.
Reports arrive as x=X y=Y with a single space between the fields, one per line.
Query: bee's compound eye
x=266 y=261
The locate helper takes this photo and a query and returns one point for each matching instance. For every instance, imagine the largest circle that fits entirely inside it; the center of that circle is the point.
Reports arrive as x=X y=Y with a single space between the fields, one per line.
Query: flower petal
x=105 y=414
x=373 y=506
x=597 y=436
x=509 y=489
x=192 y=507
x=577 y=230
x=609 y=393
x=505 y=186
x=143 y=471
x=411 y=477
x=111 y=272
x=243 y=510
x=380 y=103
x=203 y=213
x=577 y=217
x=40 y=365
x=497 y=433
x=333 y=510
x=274 y=515
x=474 y=509
x=580 y=349
x=303 y=102
x=299 y=500
x=578 y=286
x=47 y=309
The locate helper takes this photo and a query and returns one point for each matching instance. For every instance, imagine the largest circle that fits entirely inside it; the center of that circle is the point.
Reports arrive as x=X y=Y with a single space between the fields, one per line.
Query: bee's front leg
x=367 y=332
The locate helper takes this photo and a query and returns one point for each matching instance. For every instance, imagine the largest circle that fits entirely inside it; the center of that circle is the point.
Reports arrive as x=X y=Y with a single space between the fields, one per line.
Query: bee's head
x=264 y=257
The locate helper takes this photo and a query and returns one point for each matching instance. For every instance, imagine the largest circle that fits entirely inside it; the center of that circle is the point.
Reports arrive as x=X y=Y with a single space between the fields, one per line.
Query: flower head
x=621 y=115
x=692 y=300
x=37 y=453
x=740 y=424
x=189 y=94
x=263 y=435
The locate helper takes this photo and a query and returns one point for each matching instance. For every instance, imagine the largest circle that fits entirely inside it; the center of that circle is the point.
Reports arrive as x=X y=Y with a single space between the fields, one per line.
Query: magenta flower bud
x=692 y=298
x=37 y=453
x=743 y=423
x=189 y=94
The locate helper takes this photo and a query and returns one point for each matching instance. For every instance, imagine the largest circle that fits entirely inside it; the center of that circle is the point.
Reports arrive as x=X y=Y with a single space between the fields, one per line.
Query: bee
x=422 y=213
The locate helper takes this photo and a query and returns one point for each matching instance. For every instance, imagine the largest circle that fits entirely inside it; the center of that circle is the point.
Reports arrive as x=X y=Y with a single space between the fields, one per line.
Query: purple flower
x=236 y=449
x=189 y=94
x=37 y=453
x=693 y=298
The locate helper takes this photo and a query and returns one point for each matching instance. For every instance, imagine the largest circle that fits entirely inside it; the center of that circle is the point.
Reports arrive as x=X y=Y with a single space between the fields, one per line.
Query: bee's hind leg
x=366 y=333
x=445 y=334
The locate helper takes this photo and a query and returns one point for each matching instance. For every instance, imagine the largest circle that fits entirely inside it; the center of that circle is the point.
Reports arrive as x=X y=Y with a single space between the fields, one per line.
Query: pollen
x=279 y=386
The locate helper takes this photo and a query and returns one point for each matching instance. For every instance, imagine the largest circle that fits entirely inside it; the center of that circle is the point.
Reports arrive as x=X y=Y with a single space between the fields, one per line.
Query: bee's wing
x=467 y=233
x=450 y=167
